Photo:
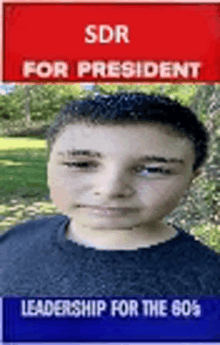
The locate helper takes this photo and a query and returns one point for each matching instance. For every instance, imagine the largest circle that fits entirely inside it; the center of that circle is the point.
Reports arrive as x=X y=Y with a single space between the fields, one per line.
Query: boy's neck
x=122 y=239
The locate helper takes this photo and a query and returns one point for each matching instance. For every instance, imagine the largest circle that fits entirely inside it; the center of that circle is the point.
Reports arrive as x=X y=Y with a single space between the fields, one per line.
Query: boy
x=117 y=166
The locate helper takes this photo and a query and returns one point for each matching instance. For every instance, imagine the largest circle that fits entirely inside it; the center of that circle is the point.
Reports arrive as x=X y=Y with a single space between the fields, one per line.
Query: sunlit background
x=6 y=88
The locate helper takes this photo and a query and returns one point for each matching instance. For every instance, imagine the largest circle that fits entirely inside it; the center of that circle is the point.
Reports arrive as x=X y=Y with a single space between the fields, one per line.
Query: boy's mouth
x=109 y=211
x=110 y=208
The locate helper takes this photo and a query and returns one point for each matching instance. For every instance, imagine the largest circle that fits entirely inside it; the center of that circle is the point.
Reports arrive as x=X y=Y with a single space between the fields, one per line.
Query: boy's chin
x=106 y=225
x=109 y=224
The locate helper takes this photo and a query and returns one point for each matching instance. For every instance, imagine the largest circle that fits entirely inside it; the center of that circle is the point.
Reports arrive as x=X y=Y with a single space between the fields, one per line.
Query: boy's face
x=120 y=176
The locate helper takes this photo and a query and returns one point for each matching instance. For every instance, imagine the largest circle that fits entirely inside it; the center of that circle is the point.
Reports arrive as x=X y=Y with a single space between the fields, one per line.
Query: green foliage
x=10 y=104
x=4 y=107
x=43 y=100
x=46 y=100
x=21 y=128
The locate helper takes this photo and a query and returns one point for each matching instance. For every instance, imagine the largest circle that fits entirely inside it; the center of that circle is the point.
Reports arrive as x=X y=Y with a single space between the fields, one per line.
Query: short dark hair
x=134 y=108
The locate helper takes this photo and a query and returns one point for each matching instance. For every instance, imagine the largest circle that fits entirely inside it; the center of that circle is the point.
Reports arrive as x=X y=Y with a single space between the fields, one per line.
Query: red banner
x=111 y=42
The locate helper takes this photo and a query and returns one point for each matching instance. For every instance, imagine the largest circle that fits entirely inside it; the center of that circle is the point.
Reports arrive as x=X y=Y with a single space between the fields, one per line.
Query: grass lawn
x=23 y=189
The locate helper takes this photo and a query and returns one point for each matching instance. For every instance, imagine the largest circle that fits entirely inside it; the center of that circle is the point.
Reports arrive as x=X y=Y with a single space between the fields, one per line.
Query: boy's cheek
x=61 y=197
x=164 y=189
x=59 y=176
x=163 y=199
x=55 y=175
x=160 y=205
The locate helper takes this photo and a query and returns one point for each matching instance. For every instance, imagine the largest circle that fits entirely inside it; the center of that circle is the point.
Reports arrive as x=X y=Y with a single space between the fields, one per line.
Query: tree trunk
x=27 y=104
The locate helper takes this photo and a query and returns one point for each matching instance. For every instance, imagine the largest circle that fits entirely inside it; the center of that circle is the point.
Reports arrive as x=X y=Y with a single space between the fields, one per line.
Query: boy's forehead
x=133 y=139
x=129 y=131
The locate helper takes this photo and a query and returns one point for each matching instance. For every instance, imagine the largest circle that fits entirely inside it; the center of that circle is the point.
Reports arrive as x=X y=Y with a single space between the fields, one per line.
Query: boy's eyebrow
x=95 y=154
x=81 y=153
x=161 y=159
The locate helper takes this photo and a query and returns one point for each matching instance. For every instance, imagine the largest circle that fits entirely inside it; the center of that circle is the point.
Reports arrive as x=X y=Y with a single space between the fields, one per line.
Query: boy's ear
x=196 y=174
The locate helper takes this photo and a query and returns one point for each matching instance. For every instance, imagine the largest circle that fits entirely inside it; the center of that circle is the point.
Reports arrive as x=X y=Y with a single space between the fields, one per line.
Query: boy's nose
x=115 y=186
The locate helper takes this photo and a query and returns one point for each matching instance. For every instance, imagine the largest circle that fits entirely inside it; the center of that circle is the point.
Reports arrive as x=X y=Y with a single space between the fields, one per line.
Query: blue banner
x=115 y=319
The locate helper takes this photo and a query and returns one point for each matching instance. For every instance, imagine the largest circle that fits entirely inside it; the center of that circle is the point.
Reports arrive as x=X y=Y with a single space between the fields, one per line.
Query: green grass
x=22 y=167
x=23 y=189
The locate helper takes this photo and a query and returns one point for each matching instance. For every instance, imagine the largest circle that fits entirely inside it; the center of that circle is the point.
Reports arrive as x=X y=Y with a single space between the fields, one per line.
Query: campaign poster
x=109 y=148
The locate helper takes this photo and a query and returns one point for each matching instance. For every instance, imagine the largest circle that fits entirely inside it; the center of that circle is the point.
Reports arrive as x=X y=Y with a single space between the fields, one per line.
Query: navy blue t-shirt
x=36 y=259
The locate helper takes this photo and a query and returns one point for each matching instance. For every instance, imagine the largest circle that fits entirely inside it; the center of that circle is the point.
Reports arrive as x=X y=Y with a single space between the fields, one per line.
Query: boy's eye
x=147 y=170
x=81 y=165
x=154 y=170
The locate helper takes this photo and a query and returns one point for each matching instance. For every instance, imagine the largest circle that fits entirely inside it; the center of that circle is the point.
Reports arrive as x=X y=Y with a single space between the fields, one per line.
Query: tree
x=37 y=102
x=202 y=203
x=27 y=103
